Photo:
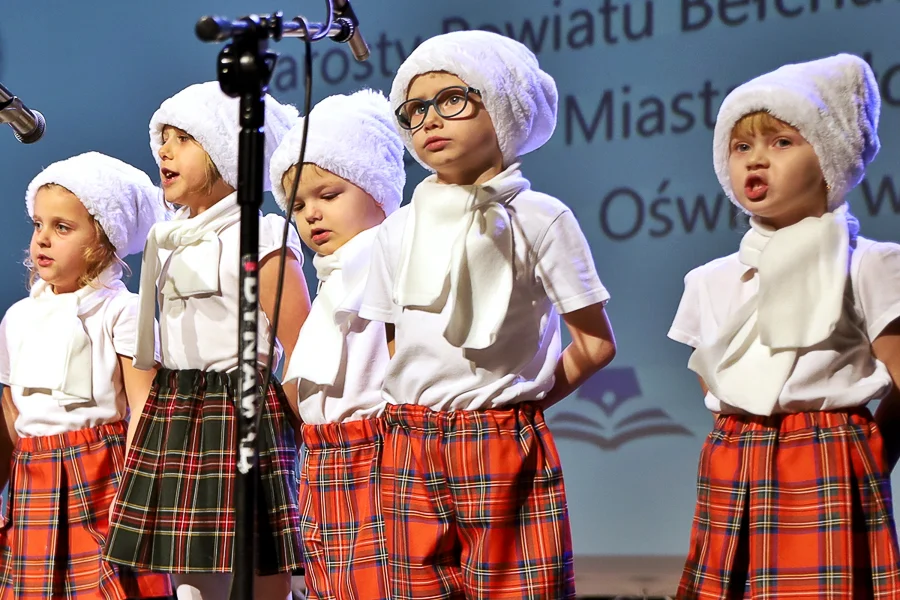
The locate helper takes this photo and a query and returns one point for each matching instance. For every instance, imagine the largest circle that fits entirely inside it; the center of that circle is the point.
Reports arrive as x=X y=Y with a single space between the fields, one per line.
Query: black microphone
x=28 y=125
x=358 y=46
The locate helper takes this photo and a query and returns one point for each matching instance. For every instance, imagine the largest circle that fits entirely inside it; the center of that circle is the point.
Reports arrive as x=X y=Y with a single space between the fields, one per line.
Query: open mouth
x=755 y=187
x=43 y=260
x=168 y=175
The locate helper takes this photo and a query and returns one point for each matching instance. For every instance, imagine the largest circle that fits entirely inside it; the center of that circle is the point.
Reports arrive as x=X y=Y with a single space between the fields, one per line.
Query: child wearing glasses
x=471 y=278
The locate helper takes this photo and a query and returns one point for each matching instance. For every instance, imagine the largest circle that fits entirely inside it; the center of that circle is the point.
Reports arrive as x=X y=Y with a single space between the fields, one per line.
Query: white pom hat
x=204 y=111
x=833 y=102
x=521 y=99
x=353 y=137
x=120 y=197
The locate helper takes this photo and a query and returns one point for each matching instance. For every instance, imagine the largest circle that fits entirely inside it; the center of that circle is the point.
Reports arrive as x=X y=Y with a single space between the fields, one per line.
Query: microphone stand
x=244 y=69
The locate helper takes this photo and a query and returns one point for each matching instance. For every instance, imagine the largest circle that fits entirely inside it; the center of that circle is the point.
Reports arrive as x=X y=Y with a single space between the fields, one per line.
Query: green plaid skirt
x=175 y=511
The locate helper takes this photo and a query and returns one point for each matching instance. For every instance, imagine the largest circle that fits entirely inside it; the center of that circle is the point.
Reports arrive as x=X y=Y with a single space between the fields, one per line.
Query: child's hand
x=109 y=515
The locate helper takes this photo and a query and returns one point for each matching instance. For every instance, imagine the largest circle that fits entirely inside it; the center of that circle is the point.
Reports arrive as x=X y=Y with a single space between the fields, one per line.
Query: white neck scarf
x=457 y=252
x=52 y=350
x=322 y=345
x=193 y=266
x=802 y=272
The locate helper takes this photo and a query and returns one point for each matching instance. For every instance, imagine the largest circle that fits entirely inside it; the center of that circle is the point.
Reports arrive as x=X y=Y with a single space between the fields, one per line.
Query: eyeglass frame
x=433 y=103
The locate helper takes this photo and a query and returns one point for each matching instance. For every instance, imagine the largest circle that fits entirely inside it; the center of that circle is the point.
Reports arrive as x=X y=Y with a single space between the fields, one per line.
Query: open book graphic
x=606 y=415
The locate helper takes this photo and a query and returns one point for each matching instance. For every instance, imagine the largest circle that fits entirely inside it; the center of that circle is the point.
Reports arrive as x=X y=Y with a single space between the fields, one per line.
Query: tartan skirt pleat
x=793 y=506
x=344 y=544
x=176 y=512
x=57 y=517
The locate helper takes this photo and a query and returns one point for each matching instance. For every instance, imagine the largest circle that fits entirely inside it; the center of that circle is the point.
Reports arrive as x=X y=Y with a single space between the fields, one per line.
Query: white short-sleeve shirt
x=840 y=372
x=201 y=332
x=356 y=393
x=554 y=273
x=111 y=327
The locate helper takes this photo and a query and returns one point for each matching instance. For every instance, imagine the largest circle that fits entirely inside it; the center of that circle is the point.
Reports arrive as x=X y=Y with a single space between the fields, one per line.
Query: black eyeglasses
x=449 y=102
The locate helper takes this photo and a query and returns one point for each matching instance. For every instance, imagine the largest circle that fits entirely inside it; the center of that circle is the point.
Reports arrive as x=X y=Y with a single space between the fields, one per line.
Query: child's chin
x=755 y=206
x=326 y=249
x=56 y=282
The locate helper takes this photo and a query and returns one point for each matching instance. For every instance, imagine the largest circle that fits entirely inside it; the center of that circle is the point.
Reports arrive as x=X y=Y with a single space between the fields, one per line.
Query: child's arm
x=390 y=331
x=294 y=308
x=8 y=435
x=593 y=347
x=137 y=387
x=886 y=348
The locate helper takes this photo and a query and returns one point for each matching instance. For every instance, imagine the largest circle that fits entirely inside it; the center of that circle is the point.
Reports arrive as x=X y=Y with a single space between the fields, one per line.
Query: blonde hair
x=211 y=171
x=759 y=122
x=97 y=257
x=287 y=180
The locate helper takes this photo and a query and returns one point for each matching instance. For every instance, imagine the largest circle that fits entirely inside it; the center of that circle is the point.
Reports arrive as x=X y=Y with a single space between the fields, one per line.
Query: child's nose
x=757 y=157
x=432 y=118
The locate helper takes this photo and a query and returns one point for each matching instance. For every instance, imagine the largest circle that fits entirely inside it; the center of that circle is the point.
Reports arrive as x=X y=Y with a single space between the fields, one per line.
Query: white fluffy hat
x=353 y=137
x=211 y=117
x=833 y=102
x=122 y=198
x=520 y=98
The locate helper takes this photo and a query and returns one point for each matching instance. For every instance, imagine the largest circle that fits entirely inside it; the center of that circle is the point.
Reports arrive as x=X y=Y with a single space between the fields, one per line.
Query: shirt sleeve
x=124 y=324
x=271 y=232
x=378 y=299
x=4 y=353
x=878 y=286
x=686 y=325
x=565 y=266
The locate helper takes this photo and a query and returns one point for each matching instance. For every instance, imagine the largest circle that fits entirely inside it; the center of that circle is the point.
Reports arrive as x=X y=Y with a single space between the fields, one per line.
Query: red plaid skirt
x=793 y=506
x=342 y=518
x=474 y=505
x=57 y=516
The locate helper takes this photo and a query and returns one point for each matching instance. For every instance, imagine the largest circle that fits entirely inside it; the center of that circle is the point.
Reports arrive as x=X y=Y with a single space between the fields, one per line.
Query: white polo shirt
x=356 y=393
x=840 y=372
x=553 y=274
x=111 y=327
x=201 y=332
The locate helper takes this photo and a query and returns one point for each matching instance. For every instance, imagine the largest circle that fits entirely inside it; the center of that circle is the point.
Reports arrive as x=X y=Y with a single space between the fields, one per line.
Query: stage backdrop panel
x=639 y=82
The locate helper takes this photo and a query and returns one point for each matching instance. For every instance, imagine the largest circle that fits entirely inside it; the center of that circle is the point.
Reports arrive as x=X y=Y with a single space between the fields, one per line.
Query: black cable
x=307 y=106
x=270 y=358
x=329 y=8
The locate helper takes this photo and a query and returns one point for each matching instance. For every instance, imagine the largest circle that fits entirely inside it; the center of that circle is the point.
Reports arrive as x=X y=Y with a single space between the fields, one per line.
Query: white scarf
x=322 y=345
x=193 y=265
x=461 y=235
x=802 y=272
x=50 y=349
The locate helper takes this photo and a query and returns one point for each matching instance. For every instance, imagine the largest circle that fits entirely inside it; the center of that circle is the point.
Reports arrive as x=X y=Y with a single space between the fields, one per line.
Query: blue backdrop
x=640 y=83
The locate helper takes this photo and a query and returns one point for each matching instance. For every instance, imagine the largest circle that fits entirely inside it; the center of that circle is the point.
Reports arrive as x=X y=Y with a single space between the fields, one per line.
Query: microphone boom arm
x=343 y=28
x=218 y=29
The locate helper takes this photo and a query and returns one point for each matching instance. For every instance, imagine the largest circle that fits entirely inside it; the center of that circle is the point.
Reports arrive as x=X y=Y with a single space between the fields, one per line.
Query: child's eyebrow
x=53 y=220
x=316 y=189
x=324 y=186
